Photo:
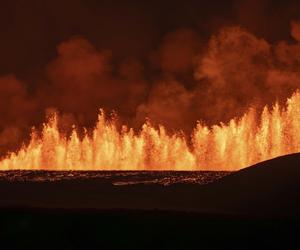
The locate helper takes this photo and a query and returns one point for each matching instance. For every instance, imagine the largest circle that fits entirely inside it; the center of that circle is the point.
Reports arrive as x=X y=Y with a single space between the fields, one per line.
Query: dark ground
x=258 y=207
x=144 y=230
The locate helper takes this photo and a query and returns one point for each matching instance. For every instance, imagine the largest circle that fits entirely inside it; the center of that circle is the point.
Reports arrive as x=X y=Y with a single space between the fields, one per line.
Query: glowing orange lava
x=240 y=143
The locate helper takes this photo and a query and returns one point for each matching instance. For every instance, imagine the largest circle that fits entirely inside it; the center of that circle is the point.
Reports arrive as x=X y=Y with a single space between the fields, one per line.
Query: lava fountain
x=241 y=142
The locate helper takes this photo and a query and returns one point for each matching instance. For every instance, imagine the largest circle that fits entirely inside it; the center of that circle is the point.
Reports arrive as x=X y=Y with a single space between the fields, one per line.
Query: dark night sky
x=166 y=60
x=32 y=29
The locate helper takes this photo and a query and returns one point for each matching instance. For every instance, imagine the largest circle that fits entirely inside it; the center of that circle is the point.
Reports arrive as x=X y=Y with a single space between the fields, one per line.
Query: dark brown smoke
x=16 y=109
x=172 y=62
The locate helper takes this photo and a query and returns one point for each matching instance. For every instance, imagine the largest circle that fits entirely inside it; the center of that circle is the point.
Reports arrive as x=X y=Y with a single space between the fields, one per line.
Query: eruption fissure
x=240 y=143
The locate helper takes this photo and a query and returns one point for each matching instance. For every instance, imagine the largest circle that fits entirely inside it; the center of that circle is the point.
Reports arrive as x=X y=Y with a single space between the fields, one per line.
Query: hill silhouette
x=268 y=188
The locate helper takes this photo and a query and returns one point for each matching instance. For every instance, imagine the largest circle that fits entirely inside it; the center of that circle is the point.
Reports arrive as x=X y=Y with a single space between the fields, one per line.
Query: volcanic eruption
x=223 y=104
x=240 y=143
x=149 y=124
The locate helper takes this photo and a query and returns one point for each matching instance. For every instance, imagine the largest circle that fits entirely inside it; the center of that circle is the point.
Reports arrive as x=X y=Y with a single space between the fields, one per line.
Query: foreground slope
x=268 y=188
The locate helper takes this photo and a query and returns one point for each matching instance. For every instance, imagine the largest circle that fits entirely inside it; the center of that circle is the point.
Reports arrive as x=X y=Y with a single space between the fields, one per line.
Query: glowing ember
x=240 y=143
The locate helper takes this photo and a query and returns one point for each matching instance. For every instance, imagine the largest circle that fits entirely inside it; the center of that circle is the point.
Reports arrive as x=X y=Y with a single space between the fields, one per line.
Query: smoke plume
x=176 y=75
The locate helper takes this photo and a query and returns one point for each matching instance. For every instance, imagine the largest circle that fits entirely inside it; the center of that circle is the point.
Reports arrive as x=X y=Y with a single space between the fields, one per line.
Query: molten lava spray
x=240 y=143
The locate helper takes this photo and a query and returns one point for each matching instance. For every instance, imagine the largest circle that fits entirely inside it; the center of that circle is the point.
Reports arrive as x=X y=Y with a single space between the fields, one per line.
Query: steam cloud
x=185 y=79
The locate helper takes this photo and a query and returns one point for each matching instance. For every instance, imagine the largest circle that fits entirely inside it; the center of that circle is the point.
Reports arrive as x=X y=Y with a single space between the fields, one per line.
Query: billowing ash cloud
x=235 y=70
x=187 y=76
x=16 y=109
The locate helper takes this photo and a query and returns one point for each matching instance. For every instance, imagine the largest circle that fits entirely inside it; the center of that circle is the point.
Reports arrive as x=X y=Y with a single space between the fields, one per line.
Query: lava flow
x=240 y=143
